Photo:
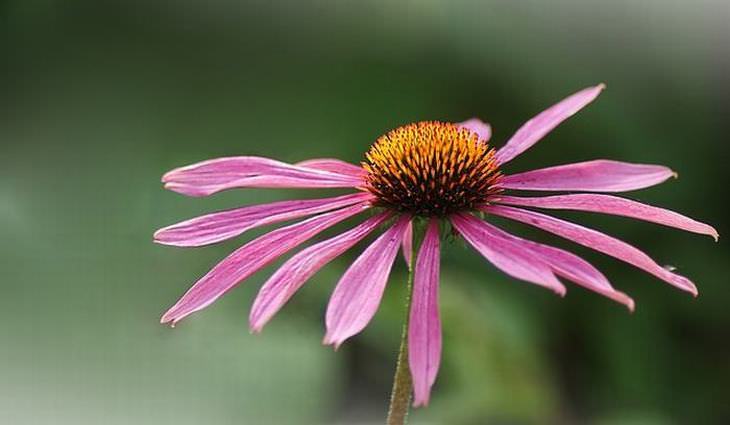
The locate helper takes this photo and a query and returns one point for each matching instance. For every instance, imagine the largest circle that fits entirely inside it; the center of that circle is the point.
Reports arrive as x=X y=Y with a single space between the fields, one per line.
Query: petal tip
x=164 y=320
x=420 y=403
x=255 y=328
x=626 y=301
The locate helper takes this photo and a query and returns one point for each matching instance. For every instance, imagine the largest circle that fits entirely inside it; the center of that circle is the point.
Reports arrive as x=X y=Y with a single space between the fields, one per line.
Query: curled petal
x=482 y=129
x=594 y=176
x=424 y=325
x=614 y=205
x=219 y=226
x=595 y=240
x=357 y=295
x=297 y=270
x=536 y=128
x=333 y=166
x=506 y=255
x=208 y=177
x=407 y=244
x=569 y=266
x=250 y=258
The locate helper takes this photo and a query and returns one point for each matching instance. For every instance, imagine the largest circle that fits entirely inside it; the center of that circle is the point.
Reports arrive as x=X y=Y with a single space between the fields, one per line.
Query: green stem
x=400 y=397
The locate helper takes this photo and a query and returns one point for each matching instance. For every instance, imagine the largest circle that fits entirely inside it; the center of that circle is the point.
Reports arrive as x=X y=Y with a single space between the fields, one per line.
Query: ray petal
x=424 y=326
x=593 y=176
x=507 y=256
x=536 y=128
x=250 y=258
x=358 y=293
x=223 y=225
x=608 y=204
x=287 y=280
x=595 y=240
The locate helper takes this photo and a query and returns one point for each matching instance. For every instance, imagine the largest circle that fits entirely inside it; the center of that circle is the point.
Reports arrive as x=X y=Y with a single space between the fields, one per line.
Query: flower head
x=441 y=172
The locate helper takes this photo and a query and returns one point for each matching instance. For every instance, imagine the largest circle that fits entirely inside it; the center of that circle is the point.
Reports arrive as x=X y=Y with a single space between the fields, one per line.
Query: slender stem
x=400 y=397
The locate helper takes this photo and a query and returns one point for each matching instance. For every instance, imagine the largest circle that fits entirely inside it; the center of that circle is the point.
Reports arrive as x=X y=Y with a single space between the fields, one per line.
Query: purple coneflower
x=435 y=173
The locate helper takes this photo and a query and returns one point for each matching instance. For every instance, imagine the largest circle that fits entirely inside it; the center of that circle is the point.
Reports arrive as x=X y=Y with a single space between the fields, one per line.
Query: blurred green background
x=101 y=98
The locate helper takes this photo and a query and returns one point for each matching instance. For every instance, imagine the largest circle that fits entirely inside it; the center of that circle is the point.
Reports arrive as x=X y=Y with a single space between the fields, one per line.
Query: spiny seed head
x=431 y=169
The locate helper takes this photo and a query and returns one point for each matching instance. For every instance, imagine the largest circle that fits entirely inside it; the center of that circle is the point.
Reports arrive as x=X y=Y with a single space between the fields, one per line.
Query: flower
x=436 y=172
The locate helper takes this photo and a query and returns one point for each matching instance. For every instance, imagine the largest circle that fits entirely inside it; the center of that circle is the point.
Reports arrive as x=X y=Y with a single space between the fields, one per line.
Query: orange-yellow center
x=431 y=169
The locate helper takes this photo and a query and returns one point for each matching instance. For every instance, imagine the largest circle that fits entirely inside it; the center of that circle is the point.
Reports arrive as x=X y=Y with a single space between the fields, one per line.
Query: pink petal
x=540 y=125
x=251 y=257
x=407 y=244
x=569 y=266
x=219 y=226
x=608 y=204
x=297 y=270
x=357 y=295
x=208 y=177
x=482 y=129
x=333 y=166
x=506 y=255
x=424 y=326
x=595 y=176
x=595 y=240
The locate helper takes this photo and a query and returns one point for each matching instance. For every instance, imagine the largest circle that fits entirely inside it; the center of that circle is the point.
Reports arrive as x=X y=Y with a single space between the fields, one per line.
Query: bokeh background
x=100 y=98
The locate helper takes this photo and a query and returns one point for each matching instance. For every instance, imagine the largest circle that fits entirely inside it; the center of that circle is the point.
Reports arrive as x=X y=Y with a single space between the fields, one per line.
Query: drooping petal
x=544 y=122
x=334 y=166
x=569 y=266
x=424 y=325
x=222 y=225
x=608 y=204
x=594 y=176
x=357 y=295
x=251 y=257
x=208 y=177
x=407 y=244
x=287 y=280
x=482 y=129
x=507 y=256
x=595 y=240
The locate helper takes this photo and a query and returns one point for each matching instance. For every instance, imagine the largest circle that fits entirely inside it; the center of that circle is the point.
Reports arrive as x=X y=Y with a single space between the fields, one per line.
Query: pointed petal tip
x=420 y=402
x=167 y=177
x=328 y=340
x=624 y=299
x=561 y=291
x=601 y=86
x=255 y=328
x=164 y=320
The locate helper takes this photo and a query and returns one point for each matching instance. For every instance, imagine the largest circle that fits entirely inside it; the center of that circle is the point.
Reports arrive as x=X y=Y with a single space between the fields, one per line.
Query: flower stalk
x=400 y=396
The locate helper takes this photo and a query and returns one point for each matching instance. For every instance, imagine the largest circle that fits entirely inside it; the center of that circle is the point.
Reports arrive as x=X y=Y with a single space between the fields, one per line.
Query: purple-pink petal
x=608 y=204
x=407 y=244
x=544 y=122
x=569 y=266
x=251 y=257
x=482 y=129
x=219 y=226
x=358 y=293
x=506 y=255
x=595 y=240
x=424 y=326
x=297 y=270
x=594 y=176
x=334 y=166
x=208 y=177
